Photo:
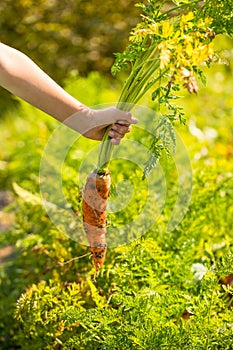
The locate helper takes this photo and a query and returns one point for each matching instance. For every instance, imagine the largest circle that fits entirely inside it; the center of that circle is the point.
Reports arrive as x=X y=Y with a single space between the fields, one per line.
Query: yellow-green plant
x=165 y=51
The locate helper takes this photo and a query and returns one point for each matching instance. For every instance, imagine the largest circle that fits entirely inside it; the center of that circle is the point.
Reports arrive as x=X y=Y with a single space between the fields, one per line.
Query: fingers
x=118 y=131
x=124 y=117
x=119 y=119
x=121 y=129
x=121 y=126
x=95 y=122
x=114 y=115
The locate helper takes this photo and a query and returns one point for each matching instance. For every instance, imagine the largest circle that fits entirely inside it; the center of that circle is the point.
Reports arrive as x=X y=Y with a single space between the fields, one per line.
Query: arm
x=21 y=76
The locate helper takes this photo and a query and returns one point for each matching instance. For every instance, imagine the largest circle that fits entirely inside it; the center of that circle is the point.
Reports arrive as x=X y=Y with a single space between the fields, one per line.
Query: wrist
x=81 y=120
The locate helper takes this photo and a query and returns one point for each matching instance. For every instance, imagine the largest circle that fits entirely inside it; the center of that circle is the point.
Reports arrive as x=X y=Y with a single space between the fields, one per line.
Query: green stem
x=130 y=92
x=138 y=67
x=106 y=147
x=140 y=77
x=180 y=6
x=138 y=90
x=105 y=153
x=140 y=95
x=144 y=67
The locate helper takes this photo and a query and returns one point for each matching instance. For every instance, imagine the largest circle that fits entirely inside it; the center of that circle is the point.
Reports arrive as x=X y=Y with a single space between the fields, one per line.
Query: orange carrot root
x=94 y=207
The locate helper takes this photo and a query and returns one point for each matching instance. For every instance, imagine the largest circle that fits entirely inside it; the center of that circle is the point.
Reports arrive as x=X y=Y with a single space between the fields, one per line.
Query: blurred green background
x=156 y=299
x=62 y=36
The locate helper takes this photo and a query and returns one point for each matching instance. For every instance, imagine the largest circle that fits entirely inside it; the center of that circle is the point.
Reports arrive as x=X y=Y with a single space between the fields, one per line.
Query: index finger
x=125 y=117
x=122 y=122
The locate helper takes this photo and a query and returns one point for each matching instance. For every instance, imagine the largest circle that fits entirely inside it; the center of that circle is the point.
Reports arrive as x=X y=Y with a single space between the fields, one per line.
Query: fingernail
x=134 y=120
x=115 y=142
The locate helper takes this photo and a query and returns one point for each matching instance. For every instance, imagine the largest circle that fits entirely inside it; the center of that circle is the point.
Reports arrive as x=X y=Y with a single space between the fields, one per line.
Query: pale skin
x=22 y=77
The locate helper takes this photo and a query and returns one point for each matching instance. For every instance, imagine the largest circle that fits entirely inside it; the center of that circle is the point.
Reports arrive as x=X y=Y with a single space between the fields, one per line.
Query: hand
x=93 y=123
x=120 y=120
x=24 y=78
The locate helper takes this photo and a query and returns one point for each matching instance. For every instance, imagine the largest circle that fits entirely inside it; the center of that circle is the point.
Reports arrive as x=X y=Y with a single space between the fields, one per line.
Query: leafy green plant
x=164 y=290
x=143 y=309
x=149 y=294
x=166 y=50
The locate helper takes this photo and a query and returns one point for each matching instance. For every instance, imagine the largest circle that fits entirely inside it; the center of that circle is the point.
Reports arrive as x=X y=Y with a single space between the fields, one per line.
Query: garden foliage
x=165 y=290
x=160 y=291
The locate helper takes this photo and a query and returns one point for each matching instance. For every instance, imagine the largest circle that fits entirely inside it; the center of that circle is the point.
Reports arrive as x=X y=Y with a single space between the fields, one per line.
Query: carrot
x=94 y=208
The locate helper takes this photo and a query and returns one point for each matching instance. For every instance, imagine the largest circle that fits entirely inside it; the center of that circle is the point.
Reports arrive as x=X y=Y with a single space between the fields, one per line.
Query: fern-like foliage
x=164 y=141
x=166 y=52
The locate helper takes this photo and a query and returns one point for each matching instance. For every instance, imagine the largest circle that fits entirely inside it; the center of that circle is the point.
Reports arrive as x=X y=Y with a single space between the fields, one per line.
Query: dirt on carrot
x=94 y=207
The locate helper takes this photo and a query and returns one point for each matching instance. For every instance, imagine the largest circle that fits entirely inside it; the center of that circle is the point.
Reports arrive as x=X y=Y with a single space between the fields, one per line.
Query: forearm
x=21 y=76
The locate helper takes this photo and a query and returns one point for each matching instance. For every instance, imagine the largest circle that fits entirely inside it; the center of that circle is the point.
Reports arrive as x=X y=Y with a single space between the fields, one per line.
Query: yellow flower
x=167 y=29
x=188 y=17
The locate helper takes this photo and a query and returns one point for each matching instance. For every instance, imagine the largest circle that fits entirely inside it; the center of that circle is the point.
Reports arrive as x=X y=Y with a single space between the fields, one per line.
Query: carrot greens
x=165 y=53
